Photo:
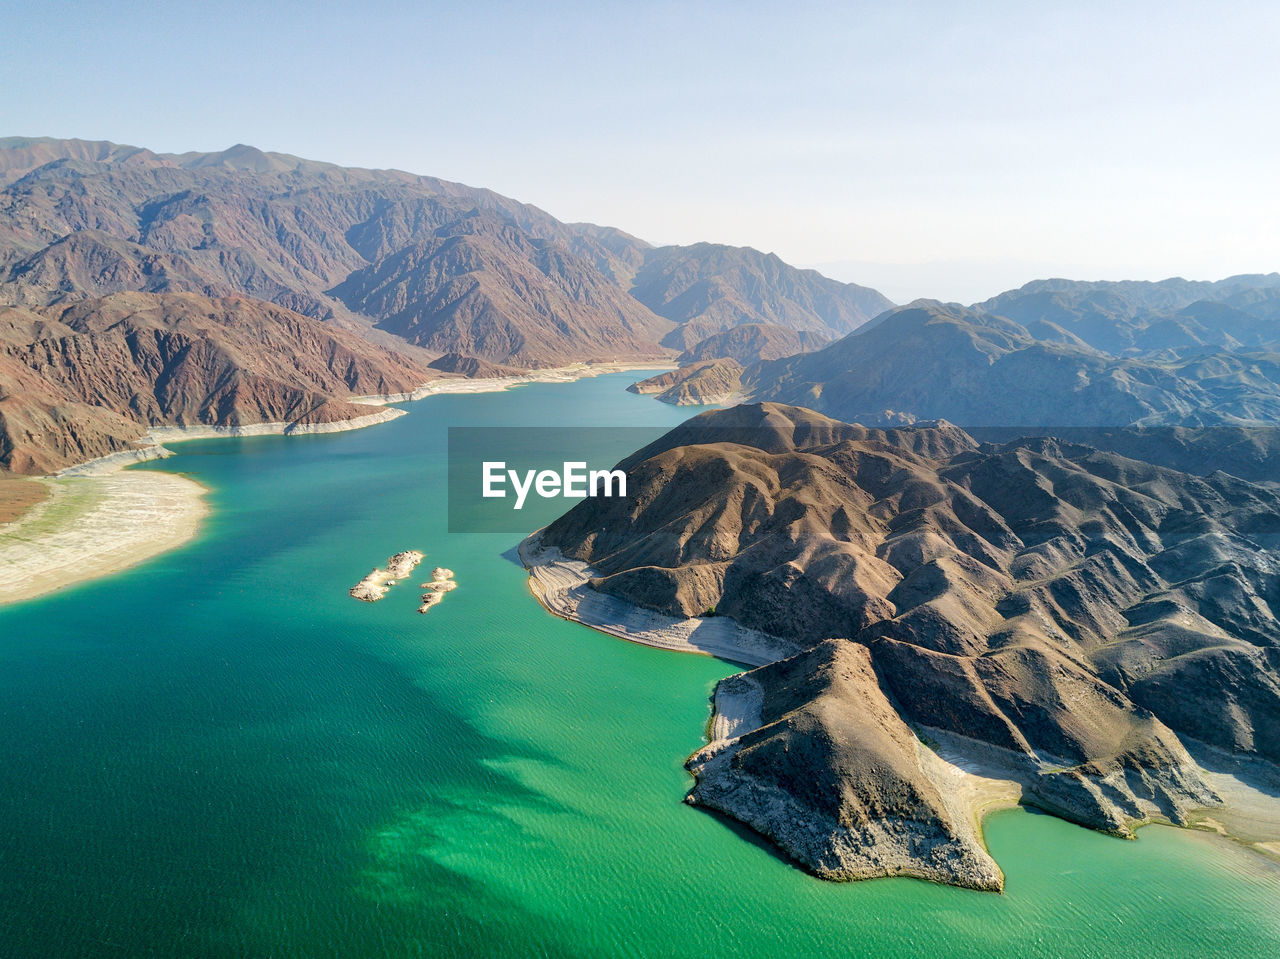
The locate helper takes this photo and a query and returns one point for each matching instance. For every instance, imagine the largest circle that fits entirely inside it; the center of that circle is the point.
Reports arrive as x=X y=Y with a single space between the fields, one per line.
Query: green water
x=220 y=754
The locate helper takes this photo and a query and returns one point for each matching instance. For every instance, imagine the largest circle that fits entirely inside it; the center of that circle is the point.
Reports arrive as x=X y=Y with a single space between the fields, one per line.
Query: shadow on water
x=220 y=777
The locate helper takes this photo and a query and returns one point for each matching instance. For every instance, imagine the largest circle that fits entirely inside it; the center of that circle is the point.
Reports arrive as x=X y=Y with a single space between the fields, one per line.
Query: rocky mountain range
x=1055 y=354
x=415 y=265
x=1073 y=617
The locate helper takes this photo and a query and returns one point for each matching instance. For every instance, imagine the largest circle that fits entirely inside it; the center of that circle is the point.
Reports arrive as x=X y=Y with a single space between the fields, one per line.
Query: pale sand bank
x=157 y=436
x=562 y=586
x=93 y=525
x=165 y=434
x=1250 y=793
x=497 y=384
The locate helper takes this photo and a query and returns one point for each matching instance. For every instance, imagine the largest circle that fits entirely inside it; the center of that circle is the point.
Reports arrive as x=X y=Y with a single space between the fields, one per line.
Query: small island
x=441 y=582
x=374 y=586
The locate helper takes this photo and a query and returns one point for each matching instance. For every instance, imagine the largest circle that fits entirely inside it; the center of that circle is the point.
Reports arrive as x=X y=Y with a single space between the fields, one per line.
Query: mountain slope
x=753 y=342
x=708 y=288
x=488 y=290
x=87 y=379
x=365 y=249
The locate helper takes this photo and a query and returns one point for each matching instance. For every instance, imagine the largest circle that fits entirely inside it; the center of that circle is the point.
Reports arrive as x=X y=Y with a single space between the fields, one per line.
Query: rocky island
x=1066 y=621
x=375 y=585
x=441 y=582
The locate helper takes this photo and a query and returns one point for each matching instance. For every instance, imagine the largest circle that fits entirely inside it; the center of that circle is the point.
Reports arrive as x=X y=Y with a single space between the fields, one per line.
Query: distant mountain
x=1066 y=614
x=1079 y=360
x=441 y=265
x=87 y=378
x=1131 y=317
x=753 y=342
x=706 y=288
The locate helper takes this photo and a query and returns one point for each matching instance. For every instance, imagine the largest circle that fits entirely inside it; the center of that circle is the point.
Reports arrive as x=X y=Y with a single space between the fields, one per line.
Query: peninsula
x=954 y=625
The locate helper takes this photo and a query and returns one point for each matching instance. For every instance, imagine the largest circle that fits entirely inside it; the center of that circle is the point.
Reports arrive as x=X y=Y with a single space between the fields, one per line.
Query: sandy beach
x=100 y=518
x=93 y=525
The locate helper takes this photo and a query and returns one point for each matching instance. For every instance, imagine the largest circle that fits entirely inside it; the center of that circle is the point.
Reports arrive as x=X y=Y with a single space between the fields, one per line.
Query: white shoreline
x=562 y=586
x=95 y=524
x=498 y=384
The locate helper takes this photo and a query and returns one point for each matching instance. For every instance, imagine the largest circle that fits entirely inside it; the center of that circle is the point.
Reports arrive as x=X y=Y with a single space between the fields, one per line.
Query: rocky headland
x=1066 y=619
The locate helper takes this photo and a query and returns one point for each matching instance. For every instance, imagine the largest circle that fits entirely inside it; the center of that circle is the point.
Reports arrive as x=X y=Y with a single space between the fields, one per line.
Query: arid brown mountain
x=87 y=378
x=418 y=266
x=707 y=288
x=484 y=287
x=444 y=266
x=470 y=367
x=1067 y=614
x=937 y=361
x=753 y=342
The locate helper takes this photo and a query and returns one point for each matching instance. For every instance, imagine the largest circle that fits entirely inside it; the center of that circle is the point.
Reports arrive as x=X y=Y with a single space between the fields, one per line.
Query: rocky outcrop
x=819 y=761
x=441 y=582
x=472 y=367
x=699 y=384
x=753 y=342
x=374 y=586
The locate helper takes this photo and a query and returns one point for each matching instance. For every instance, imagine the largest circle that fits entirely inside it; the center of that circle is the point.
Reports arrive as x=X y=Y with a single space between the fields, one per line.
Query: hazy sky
x=938 y=149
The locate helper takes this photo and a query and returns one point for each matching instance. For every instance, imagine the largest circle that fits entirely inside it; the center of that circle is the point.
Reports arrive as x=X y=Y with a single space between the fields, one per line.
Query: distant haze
x=970 y=281
x=1126 y=139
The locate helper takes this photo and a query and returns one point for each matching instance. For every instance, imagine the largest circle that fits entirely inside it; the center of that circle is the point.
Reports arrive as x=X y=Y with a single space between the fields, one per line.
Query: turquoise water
x=220 y=754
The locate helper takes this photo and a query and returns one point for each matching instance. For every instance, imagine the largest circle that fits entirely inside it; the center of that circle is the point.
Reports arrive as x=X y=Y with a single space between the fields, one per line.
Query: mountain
x=390 y=255
x=417 y=268
x=485 y=288
x=1067 y=615
x=753 y=342
x=1136 y=317
x=931 y=360
x=707 y=288
x=87 y=378
x=471 y=367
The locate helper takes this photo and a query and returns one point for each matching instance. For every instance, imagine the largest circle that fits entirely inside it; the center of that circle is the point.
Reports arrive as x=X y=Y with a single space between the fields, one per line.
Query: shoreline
x=101 y=518
x=561 y=586
x=95 y=524
x=498 y=384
